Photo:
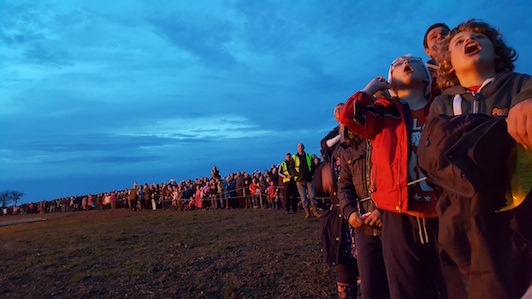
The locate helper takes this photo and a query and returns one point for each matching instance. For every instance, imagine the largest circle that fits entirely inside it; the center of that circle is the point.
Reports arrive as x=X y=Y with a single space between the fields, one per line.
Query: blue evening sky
x=95 y=95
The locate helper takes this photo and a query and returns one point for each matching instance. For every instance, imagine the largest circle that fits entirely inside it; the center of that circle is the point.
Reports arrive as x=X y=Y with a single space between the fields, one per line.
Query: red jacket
x=387 y=123
x=252 y=188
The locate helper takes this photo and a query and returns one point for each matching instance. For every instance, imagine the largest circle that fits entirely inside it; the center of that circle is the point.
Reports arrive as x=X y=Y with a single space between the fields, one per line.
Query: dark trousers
x=133 y=204
x=374 y=283
x=290 y=191
x=411 y=257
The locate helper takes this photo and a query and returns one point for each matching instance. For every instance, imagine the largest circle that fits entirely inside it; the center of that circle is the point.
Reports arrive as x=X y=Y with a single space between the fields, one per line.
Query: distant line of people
x=266 y=189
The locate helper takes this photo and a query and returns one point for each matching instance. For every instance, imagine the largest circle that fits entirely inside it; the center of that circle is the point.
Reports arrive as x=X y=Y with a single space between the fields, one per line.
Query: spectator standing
x=272 y=193
x=254 y=192
x=245 y=190
x=147 y=197
x=409 y=222
x=303 y=169
x=215 y=173
x=113 y=200
x=220 y=192
x=361 y=213
x=140 y=193
x=89 y=202
x=133 y=197
x=239 y=185
x=197 y=198
x=289 y=185
x=231 y=201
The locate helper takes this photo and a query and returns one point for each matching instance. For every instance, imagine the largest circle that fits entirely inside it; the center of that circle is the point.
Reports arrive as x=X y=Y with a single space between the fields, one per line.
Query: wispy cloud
x=201 y=127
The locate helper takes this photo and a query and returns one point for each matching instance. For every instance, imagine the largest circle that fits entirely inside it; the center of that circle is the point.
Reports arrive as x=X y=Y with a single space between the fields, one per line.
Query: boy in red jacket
x=409 y=224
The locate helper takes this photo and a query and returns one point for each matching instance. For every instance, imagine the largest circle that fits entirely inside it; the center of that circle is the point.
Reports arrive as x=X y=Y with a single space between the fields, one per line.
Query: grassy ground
x=162 y=254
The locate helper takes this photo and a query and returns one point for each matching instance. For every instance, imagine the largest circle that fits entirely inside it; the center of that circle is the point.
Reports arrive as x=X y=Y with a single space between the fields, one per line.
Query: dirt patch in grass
x=164 y=254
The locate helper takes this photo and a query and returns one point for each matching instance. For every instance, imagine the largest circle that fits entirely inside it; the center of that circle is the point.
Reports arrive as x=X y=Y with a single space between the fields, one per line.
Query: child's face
x=406 y=71
x=469 y=51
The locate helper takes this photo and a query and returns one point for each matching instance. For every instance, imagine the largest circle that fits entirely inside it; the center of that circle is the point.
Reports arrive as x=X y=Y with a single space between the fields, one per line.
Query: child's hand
x=374 y=219
x=377 y=84
x=355 y=220
x=520 y=122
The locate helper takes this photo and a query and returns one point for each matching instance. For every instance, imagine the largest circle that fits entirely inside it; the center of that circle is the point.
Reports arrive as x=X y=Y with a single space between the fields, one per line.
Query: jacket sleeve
x=346 y=190
x=280 y=170
x=524 y=87
x=363 y=116
x=436 y=108
x=325 y=150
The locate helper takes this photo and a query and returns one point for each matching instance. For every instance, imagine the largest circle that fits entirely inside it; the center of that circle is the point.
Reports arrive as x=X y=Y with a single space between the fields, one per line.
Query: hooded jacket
x=467 y=155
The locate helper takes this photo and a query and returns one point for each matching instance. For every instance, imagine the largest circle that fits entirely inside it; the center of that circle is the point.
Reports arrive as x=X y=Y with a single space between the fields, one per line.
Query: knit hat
x=405 y=57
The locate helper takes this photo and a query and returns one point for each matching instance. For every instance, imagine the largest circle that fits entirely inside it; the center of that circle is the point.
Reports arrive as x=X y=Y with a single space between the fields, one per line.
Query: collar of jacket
x=488 y=90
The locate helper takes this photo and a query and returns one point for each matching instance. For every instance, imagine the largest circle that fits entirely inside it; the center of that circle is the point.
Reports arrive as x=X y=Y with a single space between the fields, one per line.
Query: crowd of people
x=260 y=189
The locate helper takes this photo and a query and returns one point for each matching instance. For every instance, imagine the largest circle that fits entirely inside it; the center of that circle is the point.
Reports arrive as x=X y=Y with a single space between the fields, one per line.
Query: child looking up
x=476 y=75
x=409 y=224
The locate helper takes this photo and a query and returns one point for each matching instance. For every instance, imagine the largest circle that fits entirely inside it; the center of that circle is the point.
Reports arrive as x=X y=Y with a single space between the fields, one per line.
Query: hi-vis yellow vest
x=285 y=172
x=296 y=159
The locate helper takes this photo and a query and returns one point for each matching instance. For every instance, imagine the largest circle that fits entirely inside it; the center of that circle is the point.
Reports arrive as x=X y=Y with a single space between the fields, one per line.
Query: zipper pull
x=476 y=97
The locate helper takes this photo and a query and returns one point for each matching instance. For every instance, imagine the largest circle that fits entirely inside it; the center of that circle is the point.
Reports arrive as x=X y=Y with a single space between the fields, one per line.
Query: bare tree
x=5 y=198
x=16 y=195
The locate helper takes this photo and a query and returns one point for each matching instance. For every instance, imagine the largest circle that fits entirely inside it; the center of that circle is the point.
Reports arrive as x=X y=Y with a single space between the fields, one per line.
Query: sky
x=95 y=95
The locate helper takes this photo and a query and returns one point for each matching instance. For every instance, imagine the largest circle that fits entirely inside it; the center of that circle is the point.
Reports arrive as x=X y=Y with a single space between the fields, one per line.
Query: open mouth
x=472 y=48
x=408 y=68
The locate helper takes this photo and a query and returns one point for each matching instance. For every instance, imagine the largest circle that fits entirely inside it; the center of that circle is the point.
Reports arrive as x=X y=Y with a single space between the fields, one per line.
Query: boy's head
x=407 y=72
x=473 y=46
x=433 y=38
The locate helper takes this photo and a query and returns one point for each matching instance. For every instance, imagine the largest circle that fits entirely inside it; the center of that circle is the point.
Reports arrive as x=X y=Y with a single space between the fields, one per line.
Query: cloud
x=211 y=127
x=204 y=40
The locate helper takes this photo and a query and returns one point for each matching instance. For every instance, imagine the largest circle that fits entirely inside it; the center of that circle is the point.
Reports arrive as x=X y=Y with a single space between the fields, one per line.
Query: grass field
x=164 y=254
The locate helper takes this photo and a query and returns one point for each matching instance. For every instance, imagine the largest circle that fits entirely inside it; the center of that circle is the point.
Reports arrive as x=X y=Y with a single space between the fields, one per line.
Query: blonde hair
x=504 y=55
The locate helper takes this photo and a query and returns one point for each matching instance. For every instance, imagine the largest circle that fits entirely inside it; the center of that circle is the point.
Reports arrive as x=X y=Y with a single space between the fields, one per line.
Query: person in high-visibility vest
x=289 y=185
x=302 y=169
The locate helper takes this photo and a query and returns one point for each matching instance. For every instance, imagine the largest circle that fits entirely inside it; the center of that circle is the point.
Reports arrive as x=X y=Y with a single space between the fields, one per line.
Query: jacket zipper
x=476 y=97
x=370 y=182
